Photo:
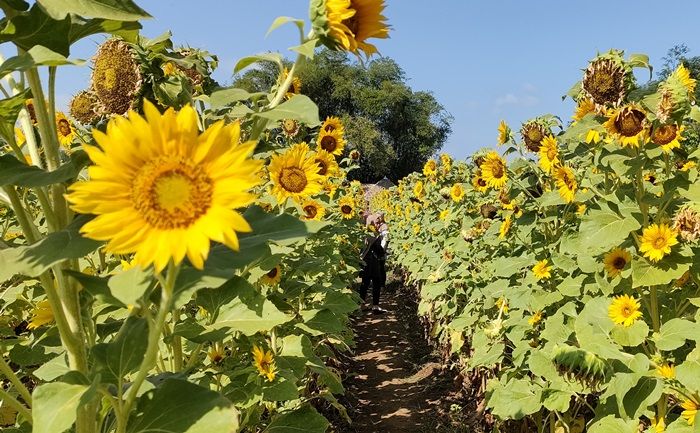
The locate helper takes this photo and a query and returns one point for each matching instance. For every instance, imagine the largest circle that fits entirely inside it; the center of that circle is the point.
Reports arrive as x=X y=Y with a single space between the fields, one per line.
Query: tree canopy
x=395 y=128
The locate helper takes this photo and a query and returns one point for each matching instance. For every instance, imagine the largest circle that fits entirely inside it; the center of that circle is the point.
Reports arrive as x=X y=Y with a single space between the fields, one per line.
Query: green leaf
x=265 y=57
x=663 y=272
x=642 y=395
x=515 y=399
x=14 y=172
x=223 y=97
x=81 y=28
x=307 y=49
x=36 y=56
x=631 y=336
x=32 y=260
x=130 y=285
x=35 y=27
x=305 y=419
x=250 y=313
x=52 y=369
x=9 y=110
x=610 y=424
x=298 y=107
x=55 y=406
x=123 y=10
x=673 y=334
x=688 y=373
x=280 y=21
x=124 y=354
x=320 y=322
x=604 y=229
x=178 y=406
x=282 y=389
x=284 y=229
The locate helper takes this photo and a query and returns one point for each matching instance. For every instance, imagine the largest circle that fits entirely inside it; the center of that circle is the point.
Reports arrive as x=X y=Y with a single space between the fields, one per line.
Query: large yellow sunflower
x=542 y=270
x=313 y=210
x=503 y=132
x=457 y=192
x=667 y=136
x=263 y=361
x=430 y=168
x=65 y=130
x=493 y=170
x=352 y=22
x=327 y=165
x=616 y=260
x=347 y=205
x=566 y=183
x=549 y=154
x=41 y=315
x=333 y=124
x=624 y=310
x=332 y=142
x=690 y=411
x=656 y=241
x=163 y=190
x=628 y=125
x=294 y=174
x=583 y=107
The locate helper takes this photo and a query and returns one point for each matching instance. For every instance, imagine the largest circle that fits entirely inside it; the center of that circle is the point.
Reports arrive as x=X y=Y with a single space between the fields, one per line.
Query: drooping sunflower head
x=294 y=87
x=41 y=315
x=607 y=80
x=272 y=277
x=657 y=240
x=290 y=128
x=457 y=192
x=542 y=270
x=686 y=223
x=116 y=77
x=549 y=154
x=505 y=227
x=628 y=125
x=493 y=170
x=667 y=136
x=690 y=410
x=346 y=206
x=615 y=261
x=533 y=132
x=430 y=168
x=65 y=130
x=624 y=310
x=264 y=362
x=348 y=24
x=83 y=107
x=419 y=190
x=332 y=142
x=162 y=190
x=327 y=165
x=566 y=182
x=294 y=174
x=583 y=107
x=312 y=210
x=503 y=132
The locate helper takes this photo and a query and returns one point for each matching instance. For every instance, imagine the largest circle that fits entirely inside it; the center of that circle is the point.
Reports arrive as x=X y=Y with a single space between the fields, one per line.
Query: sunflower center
x=311 y=211
x=171 y=193
x=109 y=79
x=272 y=273
x=619 y=263
x=346 y=209
x=289 y=126
x=630 y=123
x=660 y=242
x=322 y=167
x=535 y=135
x=481 y=182
x=551 y=154
x=627 y=311
x=329 y=143
x=293 y=179
x=498 y=171
x=664 y=134
x=64 y=128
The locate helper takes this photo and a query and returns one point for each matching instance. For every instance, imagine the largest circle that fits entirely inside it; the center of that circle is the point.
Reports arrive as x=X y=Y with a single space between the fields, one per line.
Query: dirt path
x=396 y=387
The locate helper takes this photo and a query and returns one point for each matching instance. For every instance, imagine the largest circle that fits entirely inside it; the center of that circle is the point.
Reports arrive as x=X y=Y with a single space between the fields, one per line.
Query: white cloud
x=524 y=98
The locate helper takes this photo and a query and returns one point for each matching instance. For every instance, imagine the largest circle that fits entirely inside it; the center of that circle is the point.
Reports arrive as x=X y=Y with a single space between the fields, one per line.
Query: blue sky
x=483 y=60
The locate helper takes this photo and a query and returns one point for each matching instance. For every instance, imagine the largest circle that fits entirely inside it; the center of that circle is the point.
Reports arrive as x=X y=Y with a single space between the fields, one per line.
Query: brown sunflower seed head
x=116 y=77
x=533 y=132
x=83 y=107
x=607 y=80
x=687 y=223
x=488 y=211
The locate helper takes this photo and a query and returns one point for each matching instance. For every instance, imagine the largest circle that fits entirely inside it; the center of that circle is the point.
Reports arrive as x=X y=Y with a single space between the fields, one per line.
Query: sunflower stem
x=16 y=405
x=52 y=92
x=31 y=233
x=654 y=301
x=12 y=377
x=49 y=140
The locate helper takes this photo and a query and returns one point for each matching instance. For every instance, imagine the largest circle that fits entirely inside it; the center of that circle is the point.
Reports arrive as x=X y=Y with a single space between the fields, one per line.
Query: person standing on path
x=383 y=230
x=372 y=256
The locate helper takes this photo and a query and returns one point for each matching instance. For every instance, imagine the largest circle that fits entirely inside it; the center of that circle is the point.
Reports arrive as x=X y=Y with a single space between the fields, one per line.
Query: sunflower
x=419 y=190
x=445 y=162
x=272 y=277
x=169 y=69
x=332 y=142
x=290 y=128
x=216 y=353
x=533 y=132
x=20 y=139
x=505 y=227
x=502 y=304
x=444 y=214
x=430 y=168
x=355 y=155
x=583 y=107
x=294 y=174
x=615 y=261
x=667 y=136
x=29 y=105
x=65 y=130
x=162 y=190
x=333 y=124
x=263 y=361
x=416 y=229
x=294 y=86
x=688 y=165
x=682 y=75
x=656 y=241
x=628 y=124
x=503 y=132
x=327 y=165
x=348 y=24
x=593 y=136
x=116 y=77
x=658 y=424
x=667 y=371
x=457 y=192
x=683 y=280
x=41 y=315
x=690 y=411
x=83 y=107
x=313 y=210
x=624 y=310
x=605 y=82
x=493 y=170
x=347 y=205
x=542 y=270
x=566 y=183
x=549 y=154
x=535 y=318
x=686 y=223
x=479 y=183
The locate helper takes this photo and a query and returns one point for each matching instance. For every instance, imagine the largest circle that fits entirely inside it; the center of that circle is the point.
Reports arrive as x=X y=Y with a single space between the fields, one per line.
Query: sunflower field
x=561 y=275
x=174 y=256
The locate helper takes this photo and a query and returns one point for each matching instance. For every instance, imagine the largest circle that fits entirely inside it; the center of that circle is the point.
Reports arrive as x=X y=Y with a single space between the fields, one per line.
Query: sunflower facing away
x=566 y=182
x=346 y=205
x=690 y=411
x=503 y=132
x=332 y=142
x=479 y=183
x=457 y=192
x=656 y=241
x=628 y=125
x=272 y=277
x=65 y=130
x=615 y=261
x=263 y=361
x=163 y=190
x=667 y=371
x=682 y=75
x=583 y=107
x=624 y=310
x=430 y=168
x=313 y=210
x=294 y=87
x=542 y=270
x=116 y=77
x=549 y=154
x=351 y=23
x=667 y=136
x=294 y=174
x=505 y=227
x=41 y=315
x=493 y=170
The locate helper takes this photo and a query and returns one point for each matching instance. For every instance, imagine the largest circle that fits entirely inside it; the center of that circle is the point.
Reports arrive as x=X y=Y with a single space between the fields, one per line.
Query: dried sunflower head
x=533 y=132
x=83 y=107
x=116 y=77
x=607 y=80
x=687 y=224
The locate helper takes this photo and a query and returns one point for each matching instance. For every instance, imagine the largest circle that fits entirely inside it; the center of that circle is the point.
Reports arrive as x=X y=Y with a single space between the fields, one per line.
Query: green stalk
x=30 y=231
x=46 y=126
x=654 y=304
x=16 y=405
x=12 y=377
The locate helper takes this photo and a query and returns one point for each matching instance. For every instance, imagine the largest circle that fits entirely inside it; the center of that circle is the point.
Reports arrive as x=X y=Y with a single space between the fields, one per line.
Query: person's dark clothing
x=373 y=269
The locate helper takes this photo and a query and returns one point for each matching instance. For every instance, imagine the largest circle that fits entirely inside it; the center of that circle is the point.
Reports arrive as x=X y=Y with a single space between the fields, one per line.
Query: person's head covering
x=372 y=219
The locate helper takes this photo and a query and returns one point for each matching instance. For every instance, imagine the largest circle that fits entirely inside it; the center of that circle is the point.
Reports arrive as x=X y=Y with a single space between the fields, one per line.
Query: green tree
x=395 y=128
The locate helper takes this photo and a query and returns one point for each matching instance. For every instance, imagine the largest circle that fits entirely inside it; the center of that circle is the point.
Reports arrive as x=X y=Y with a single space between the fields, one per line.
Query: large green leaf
x=283 y=229
x=81 y=28
x=36 y=56
x=673 y=334
x=688 y=373
x=55 y=406
x=124 y=10
x=610 y=424
x=299 y=107
x=178 y=406
x=515 y=399
x=250 y=312
x=305 y=419
x=9 y=110
x=130 y=285
x=125 y=353
x=35 y=27
x=663 y=272
x=34 y=259
x=603 y=229
x=14 y=172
